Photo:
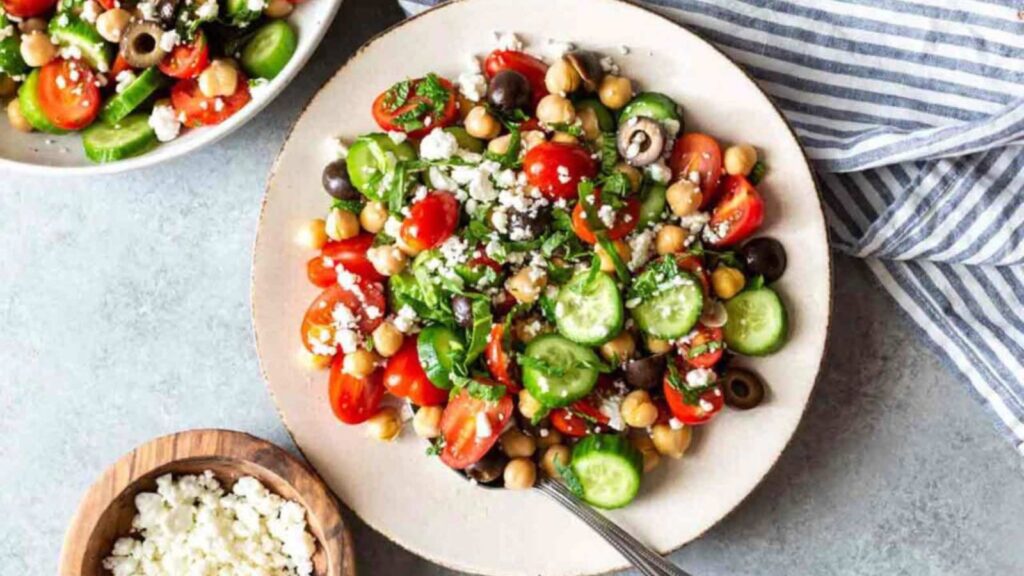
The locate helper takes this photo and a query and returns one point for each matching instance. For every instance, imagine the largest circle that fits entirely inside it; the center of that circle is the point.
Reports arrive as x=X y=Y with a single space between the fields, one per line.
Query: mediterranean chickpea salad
x=129 y=74
x=548 y=267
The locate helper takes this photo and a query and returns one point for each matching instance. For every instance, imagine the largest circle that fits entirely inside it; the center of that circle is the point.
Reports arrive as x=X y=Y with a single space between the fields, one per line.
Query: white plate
x=63 y=155
x=415 y=500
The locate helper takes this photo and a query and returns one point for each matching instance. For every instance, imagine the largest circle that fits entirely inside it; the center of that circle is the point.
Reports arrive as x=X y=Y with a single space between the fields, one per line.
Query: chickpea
x=528 y=328
x=112 y=24
x=684 y=198
x=500 y=144
x=314 y=361
x=385 y=425
x=406 y=249
x=36 y=49
x=16 y=118
x=219 y=79
x=564 y=138
x=34 y=24
x=727 y=282
x=360 y=363
x=641 y=440
x=387 y=339
x=527 y=284
x=7 y=86
x=341 y=224
x=313 y=234
x=671 y=442
x=638 y=410
x=480 y=124
x=562 y=78
x=739 y=160
x=555 y=109
x=607 y=264
x=615 y=91
x=549 y=438
x=516 y=444
x=657 y=346
x=619 y=349
x=388 y=260
x=588 y=122
x=557 y=453
x=532 y=138
x=373 y=216
x=632 y=174
x=528 y=405
x=520 y=473
x=427 y=422
x=278 y=8
x=670 y=239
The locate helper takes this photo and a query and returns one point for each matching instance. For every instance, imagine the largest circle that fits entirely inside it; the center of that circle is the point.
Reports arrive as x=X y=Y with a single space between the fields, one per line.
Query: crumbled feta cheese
x=472 y=85
x=612 y=408
x=405 y=320
x=438 y=145
x=559 y=48
x=397 y=137
x=147 y=8
x=208 y=10
x=62 y=83
x=168 y=40
x=606 y=214
x=563 y=175
x=675 y=424
x=255 y=5
x=699 y=378
x=90 y=11
x=671 y=127
x=508 y=41
x=164 y=122
x=341 y=149
x=124 y=79
x=609 y=65
x=483 y=425
x=6 y=32
x=641 y=247
x=659 y=172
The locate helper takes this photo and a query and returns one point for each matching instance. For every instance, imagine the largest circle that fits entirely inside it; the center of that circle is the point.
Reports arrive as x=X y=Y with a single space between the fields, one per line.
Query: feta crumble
x=438 y=145
x=472 y=85
x=164 y=122
x=508 y=41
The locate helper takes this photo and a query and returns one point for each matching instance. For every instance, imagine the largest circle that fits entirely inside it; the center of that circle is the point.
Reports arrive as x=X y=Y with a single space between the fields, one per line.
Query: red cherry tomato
x=119 y=65
x=498 y=361
x=738 y=215
x=417 y=108
x=349 y=253
x=318 y=328
x=695 y=265
x=68 y=94
x=462 y=445
x=187 y=60
x=200 y=110
x=707 y=339
x=431 y=221
x=708 y=404
x=568 y=423
x=625 y=221
x=700 y=153
x=527 y=65
x=557 y=169
x=405 y=378
x=353 y=400
x=28 y=8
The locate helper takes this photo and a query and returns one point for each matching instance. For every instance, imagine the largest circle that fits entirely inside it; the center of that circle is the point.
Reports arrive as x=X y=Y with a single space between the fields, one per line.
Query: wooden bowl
x=105 y=513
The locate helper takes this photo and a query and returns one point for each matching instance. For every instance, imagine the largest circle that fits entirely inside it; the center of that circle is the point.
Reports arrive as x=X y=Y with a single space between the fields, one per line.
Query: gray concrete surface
x=124 y=314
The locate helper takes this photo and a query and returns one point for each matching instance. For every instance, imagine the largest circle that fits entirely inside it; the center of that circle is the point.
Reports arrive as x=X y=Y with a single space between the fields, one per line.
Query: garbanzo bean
x=388 y=260
x=564 y=138
x=632 y=174
x=615 y=91
x=670 y=239
x=112 y=23
x=555 y=109
x=36 y=49
x=360 y=363
x=387 y=339
x=638 y=410
x=385 y=425
x=684 y=197
x=562 y=78
x=312 y=234
x=480 y=124
x=528 y=405
x=527 y=284
x=657 y=346
x=278 y=8
x=619 y=349
x=607 y=264
x=220 y=78
x=671 y=442
x=739 y=160
x=520 y=473
x=515 y=444
x=373 y=216
x=557 y=453
x=548 y=437
x=427 y=422
x=341 y=224
x=727 y=282
x=16 y=118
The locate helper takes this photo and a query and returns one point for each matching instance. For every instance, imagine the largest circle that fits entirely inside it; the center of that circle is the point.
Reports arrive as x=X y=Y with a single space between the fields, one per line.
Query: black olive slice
x=508 y=91
x=489 y=468
x=641 y=141
x=337 y=183
x=646 y=373
x=743 y=389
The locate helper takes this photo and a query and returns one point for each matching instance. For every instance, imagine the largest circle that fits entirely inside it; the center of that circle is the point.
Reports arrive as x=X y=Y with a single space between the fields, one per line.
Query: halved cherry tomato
x=405 y=378
x=708 y=404
x=527 y=65
x=587 y=410
x=68 y=94
x=710 y=339
x=417 y=115
x=200 y=110
x=318 y=328
x=28 y=8
x=108 y=4
x=187 y=60
x=119 y=65
x=349 y=253
x=462 y=446
x=738 y=215
x=431 y=221
x=626 y=220
x=557 y=169
x=700 y=153
x=568 y=423
x=353 y=400
x=695 y=265
x=498 y=361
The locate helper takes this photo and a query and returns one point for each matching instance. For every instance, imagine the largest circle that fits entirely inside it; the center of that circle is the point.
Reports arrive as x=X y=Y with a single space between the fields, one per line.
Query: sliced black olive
x=646 y=373
x=337 y=183
x=508 y=91
x=165 y=12
x=743 y=389
x=764 y=256
x=140 y=44
x=533 y=222
x=588 y=66
x=489 y=468
x=641 y=141
x=462 y=307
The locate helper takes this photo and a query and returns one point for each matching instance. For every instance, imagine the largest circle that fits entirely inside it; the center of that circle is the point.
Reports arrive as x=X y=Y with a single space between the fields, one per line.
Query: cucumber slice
x=123 y=104
x=758 y=323
x=67 y=30
x=28 y=99
x=557 y=371
x=605 y=120
x=109 y=142
x=438 y=348
x=656 y=106
x=589 y=314
x=466 y=142
x=673 y=312
x=370 y=157
x=608 y=468
x=239 y=14
x=11 y=62
x=270 y=49
x=653 y=204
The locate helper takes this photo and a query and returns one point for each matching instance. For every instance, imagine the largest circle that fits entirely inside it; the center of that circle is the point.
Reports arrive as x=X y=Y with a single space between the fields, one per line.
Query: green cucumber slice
x=608 y=468
x=758 y=324
x=239 y=14
x=439 y=347
x=605 y=120
x=653 y=204
x=11 y=62
x=370 y=158
x=133 y=96
x=109 y=142
x=67 y=30
x=589 y=314
x=656 y=106
x=466 y=142
x=673 y=312
x=557 y=371
x=270 y=49
x=28 y=99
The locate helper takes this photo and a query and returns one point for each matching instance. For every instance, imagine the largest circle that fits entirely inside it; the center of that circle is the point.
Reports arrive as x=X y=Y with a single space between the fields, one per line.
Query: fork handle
x=646 y=560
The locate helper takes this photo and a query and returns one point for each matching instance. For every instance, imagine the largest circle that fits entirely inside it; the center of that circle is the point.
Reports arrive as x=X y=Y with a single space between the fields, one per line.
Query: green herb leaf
x=482 y=322
x=757 y=173
x=510 y=158
x=436 y=446
x=756 y=283
x=433 y=90
x=397 y=95
x=707 y=348
x=661 y=275
x=609 y=153
x=353 y=206
x=691 y=395
x=542 y=366
x=485 y=392
x=572 y=482
x=609 y=248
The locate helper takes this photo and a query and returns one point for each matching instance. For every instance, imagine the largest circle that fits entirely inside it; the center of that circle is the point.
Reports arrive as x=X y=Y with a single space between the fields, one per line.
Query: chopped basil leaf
x=353 y=206
x=572 y=482
x=757 y=173
x=397 y=95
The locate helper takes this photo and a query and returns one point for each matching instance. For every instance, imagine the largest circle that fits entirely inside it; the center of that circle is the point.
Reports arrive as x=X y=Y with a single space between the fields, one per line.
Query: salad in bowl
x=552 y=272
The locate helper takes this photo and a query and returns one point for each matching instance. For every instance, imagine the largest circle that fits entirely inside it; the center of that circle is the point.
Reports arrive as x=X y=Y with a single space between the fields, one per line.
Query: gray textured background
x=124 y=314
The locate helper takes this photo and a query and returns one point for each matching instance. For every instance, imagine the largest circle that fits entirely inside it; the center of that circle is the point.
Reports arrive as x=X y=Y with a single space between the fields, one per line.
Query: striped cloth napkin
x=913 y=114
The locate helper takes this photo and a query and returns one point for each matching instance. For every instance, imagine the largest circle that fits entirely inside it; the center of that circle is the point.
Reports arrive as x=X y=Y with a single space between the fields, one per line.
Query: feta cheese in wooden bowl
x=205 y=500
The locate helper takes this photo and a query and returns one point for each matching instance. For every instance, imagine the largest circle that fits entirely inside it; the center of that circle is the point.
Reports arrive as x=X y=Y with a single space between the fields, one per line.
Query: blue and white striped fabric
x=913 y=113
